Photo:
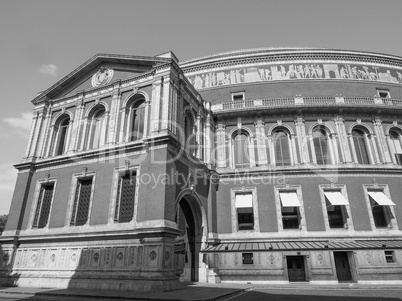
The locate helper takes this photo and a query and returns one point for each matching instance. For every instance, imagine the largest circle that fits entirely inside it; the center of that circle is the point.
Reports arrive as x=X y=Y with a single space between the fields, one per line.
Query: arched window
x=281 y=141
x=97 y=129
x=396 y=142
x=61 y=135
x=137 y=120
x=241 y=150
x=189 y=134
x=361 y=148
x=321 y=144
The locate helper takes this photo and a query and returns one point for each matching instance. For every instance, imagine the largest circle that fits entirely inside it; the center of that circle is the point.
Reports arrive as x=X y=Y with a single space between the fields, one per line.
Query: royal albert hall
x=273 y=165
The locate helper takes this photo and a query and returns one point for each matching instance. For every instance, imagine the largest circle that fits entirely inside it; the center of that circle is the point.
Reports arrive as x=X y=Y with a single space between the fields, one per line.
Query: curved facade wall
x=266 y=165
x=320 y=140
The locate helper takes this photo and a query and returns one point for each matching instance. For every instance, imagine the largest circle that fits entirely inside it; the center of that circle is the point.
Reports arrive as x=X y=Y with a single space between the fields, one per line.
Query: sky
x=41 y=41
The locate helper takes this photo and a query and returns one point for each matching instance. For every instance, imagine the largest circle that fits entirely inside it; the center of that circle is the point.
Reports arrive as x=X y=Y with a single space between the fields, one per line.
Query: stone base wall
x=271 y=267
x=146 y=265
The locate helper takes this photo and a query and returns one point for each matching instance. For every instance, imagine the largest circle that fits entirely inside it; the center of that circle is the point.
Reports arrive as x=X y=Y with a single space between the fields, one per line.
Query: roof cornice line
x=99 y=56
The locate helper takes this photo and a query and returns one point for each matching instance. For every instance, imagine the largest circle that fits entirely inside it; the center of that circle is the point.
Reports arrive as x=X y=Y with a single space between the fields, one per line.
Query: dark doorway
x=296 y=269
x=342 y=267
x=188 y=224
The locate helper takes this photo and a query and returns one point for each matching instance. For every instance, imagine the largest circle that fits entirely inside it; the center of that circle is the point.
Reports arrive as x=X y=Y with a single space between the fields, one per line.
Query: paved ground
x=221 y=292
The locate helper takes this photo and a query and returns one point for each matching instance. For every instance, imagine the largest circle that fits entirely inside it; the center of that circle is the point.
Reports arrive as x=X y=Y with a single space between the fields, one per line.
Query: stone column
x=123 y=128
x=31 y=134
x=114 y=115
x=198 y=135
x=68 y=135
x=302 y=139
x=173 y=118
x=372 y=148
x=382 y=141
x=353 y=149
x=293 y=150
x=38 y=125
x=157 y=93
x=165 y=104
x=261 y=146
x=208 y=139
x=79 y=113
x=334 y=147
x=221 y=145
x=45 y=133
x=345 y=154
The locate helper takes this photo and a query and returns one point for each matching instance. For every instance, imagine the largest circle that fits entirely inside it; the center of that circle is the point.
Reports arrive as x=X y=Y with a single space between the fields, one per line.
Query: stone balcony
x=335 y=102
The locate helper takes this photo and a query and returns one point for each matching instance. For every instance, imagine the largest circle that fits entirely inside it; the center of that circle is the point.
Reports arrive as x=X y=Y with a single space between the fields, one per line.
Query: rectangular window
x=336 y=202
x=82 y=201
x=238 y=96
x=124 y=210
x=389 y=256
x=43 y=207
x=383 y=93
x=290 y=210
x=244 y=210
x=247 y=258
x=380 y=203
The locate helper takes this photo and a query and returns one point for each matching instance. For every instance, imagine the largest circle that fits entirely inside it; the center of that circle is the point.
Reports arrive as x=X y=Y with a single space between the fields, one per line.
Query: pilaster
x=114 y=114
x=302 y=139
x=381 y=140
x=221 y=145
x=261 y=146
x=345 y=155
x=165 y=104
x=157 y=93
x=79 y=113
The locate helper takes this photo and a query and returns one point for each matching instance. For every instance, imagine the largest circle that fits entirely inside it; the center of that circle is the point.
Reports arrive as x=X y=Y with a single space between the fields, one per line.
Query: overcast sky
x=43 y=40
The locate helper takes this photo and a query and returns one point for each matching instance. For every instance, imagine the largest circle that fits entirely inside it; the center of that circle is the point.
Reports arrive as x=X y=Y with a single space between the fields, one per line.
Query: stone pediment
x=101 y=70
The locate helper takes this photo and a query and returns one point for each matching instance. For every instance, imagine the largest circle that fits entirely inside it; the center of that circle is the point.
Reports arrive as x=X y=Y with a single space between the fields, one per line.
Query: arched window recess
x=134 y=118
x=61 y=134
x=97 y=127
x=242 y=150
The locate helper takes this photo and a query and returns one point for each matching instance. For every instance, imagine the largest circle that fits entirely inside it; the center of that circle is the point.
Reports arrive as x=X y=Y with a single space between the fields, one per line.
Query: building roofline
x=100 y=57
x=253 y=52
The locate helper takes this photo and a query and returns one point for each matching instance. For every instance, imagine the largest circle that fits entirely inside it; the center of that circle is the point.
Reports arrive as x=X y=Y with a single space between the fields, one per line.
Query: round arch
x=244 y=129
x=195 y=233
x=133 y=96
x=392 y=127
x=327 y=127
x=280 y=127
x=60 y=116
x=362 y=126
x=91 y=109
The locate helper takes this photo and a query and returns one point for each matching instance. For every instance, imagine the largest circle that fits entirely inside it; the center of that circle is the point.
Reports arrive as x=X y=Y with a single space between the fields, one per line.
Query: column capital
x=259 y=122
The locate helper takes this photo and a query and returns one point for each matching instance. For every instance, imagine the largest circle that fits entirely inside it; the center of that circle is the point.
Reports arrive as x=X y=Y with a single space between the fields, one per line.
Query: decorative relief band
x=309 y=70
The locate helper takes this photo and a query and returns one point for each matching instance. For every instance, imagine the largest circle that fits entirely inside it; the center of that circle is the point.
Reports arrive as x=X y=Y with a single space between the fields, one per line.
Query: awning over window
x=272 y=246
x=244 y=200
x=380 y=198
x=336 y=198
x=289 y=199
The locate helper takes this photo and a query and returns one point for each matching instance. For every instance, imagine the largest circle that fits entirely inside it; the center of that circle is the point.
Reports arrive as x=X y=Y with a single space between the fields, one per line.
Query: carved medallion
x=96 y=257
x=152 y=255
x=74 y=257
x=120 y=256
x=102 y=77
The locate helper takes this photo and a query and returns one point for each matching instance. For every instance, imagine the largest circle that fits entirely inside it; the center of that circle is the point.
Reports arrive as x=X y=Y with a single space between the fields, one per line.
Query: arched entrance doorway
x=190 y=220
